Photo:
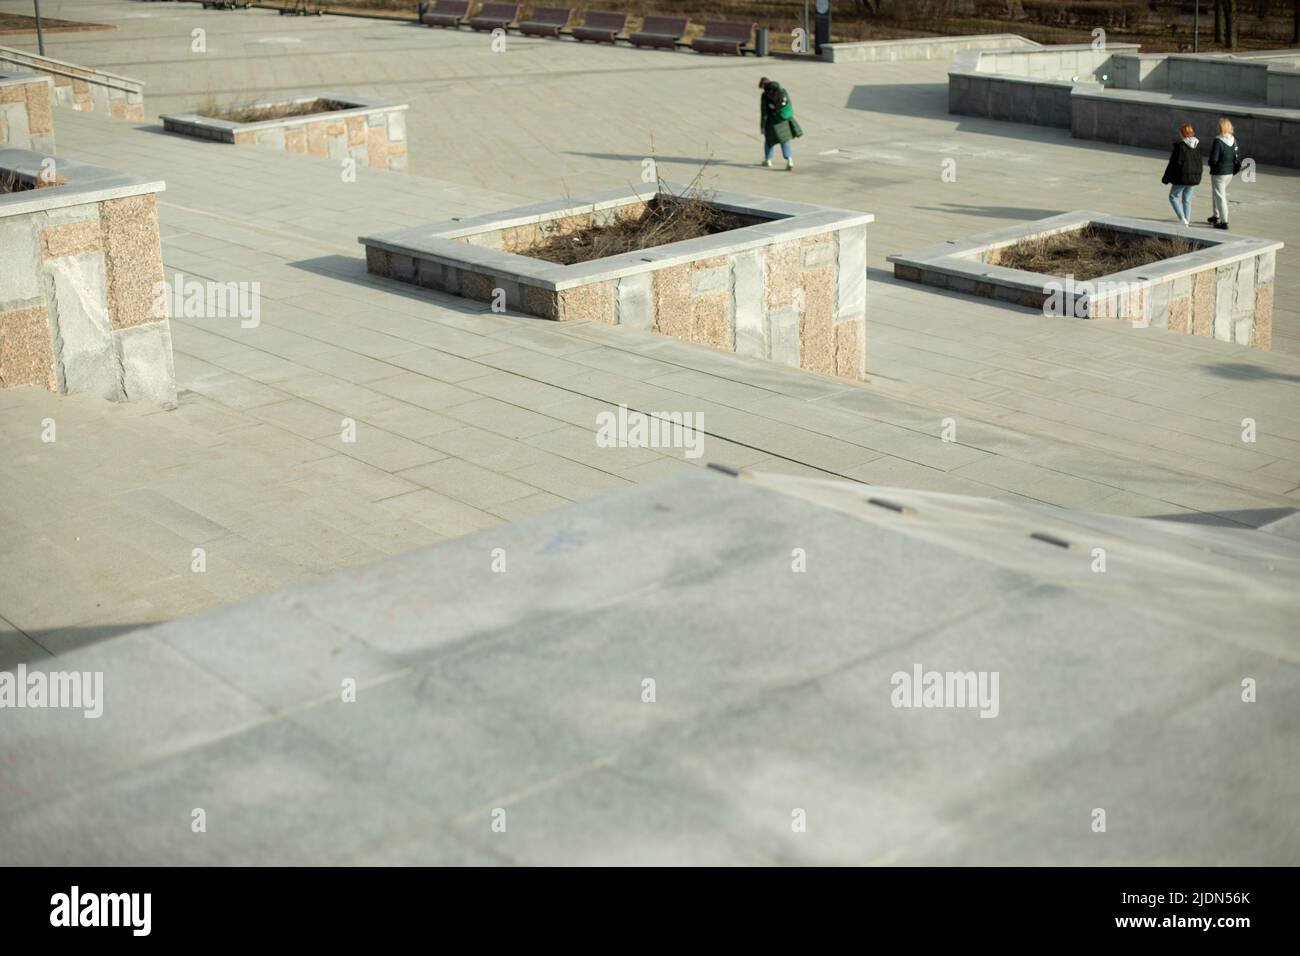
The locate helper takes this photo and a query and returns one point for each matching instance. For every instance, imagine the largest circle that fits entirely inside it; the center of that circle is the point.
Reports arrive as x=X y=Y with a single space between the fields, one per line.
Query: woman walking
x=1225 y=162
x=779 y=126
x=1183 y=173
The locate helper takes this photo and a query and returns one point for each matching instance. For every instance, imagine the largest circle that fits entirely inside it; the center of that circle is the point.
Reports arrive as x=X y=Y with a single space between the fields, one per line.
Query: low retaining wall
x=83 y=88
x=923 y=48
x=79 y=275
x=26 y=119
x=1223 y=290
x=372 y=134
x=790 y=288
x=1118 y=95
x=1151 y=120
x=1026 y=86
x=1058 y=62
x=1011 y=98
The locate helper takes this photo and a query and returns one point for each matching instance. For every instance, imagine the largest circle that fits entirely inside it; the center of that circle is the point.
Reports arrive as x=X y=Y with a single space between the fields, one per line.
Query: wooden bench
x=724 y=36
x=448 y=13
x=494 y=16
x=600 y=26
x=546 y=21
x=662 y=32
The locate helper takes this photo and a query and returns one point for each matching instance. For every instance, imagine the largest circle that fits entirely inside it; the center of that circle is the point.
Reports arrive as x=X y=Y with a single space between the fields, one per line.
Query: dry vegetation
x=1089 y=253
x=256 y=113
x=1156 y=24
x=21 y=23
x=669 y=217
x=11 y=182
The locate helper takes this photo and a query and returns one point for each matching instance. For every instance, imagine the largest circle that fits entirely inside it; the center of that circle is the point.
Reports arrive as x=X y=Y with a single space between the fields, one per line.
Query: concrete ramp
x=710 y=669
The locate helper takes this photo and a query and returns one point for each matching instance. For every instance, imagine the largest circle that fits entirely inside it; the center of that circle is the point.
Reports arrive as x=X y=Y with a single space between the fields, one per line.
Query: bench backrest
x=728 y=30
x=604 y=20
x=667 y=26
x=558 y=16
x=451 y=7
x=498 y=11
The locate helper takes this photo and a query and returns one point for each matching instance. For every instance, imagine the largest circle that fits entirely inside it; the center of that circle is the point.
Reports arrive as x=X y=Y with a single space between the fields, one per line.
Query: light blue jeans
x=1183 y=195
x=785 y=150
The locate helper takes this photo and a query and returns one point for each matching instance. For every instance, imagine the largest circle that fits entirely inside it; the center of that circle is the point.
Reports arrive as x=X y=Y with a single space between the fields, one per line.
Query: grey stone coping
x=845 y=51
x=966 y=62
x=356 y=107
x=959 y=257
x=63 y=67
x=83 y=183
x=439 y=241
x=1185 y=100
x=8 y=78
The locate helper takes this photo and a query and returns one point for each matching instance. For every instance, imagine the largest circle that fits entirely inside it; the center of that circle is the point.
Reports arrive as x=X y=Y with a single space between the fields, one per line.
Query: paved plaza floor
x=468 y=420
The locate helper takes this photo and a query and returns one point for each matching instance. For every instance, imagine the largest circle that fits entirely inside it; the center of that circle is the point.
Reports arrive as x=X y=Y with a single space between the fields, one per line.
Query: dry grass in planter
x=11 y=182
x=666 y=218
x=255 y=113
x=1089 y=253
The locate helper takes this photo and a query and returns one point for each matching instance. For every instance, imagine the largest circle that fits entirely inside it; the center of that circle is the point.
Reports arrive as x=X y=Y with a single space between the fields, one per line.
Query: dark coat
x=776 y=113
x=1223 y=158
x=1184 y=168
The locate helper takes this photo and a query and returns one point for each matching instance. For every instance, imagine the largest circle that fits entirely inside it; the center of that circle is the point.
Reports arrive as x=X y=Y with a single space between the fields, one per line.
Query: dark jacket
x=1223 y=158
x=1184 y=167
x=776 y=113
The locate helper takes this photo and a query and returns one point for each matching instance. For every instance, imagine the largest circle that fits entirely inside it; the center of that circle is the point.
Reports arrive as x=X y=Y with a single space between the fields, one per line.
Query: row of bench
x=598 y=26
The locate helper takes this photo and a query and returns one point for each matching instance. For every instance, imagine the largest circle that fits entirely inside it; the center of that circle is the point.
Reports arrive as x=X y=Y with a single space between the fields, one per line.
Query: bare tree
x=1218 y=21
x=1231 y=26
x=1295 y=22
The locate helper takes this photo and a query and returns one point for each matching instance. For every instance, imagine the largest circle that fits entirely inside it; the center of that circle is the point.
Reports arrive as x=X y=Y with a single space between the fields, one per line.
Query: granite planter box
x=26 y=118
x=1223 y=290
x=373 y=134
x=79 y=273
x=790 y=287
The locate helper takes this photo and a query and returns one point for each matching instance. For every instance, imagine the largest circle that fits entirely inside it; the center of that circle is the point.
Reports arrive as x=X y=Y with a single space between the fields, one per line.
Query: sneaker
x=1213 y=220
x=1184 y=222
x=1220 y=225
x=767 y=163
x=789 y=165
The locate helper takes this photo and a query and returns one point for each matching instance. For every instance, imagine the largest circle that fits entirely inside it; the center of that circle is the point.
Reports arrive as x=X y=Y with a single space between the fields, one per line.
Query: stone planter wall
x=26 y=119
x=791 y=287
x=1119 y=95
x=372 y=134
x=1223 y=290
x=79 y=279
x=82 y=88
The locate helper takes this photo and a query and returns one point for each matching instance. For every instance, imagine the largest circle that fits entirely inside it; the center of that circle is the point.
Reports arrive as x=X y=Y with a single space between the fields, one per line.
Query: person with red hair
x=1183 y=173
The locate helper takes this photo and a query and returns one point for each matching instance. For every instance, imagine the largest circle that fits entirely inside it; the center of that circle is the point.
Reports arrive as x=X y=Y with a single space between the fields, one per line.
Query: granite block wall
x=800 y=302
x=374 y=138
x=77 y=301
x=81 y=88
x=26 y=119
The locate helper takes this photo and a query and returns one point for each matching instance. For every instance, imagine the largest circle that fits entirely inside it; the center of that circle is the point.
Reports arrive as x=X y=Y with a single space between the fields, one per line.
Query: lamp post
x=40 y=37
